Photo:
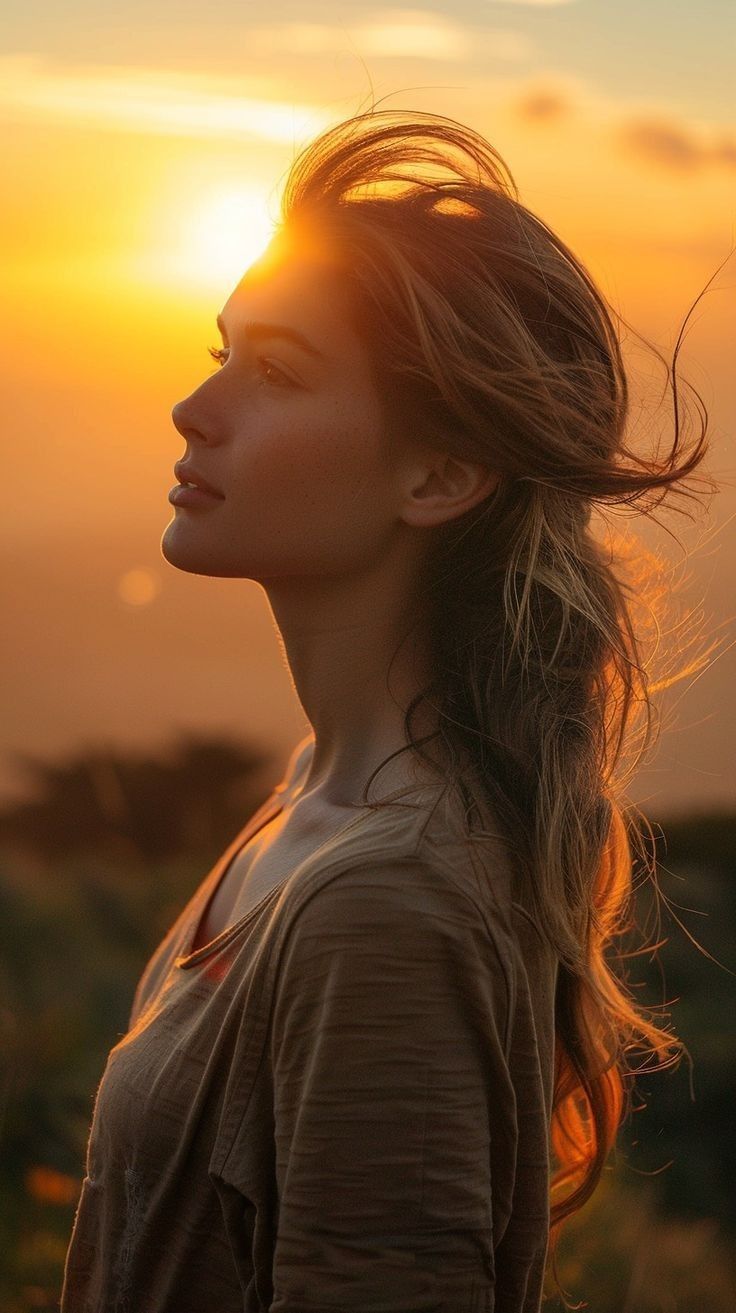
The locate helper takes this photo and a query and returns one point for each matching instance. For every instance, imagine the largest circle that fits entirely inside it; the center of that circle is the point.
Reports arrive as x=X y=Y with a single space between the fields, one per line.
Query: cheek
x=319 y=482
x=326 y=455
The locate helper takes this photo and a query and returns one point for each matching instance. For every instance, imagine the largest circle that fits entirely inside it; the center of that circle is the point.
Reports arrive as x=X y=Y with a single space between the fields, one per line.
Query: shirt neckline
x=186 y=959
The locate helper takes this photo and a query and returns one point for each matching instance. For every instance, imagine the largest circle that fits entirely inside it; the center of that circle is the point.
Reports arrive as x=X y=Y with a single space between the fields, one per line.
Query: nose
x=190 y=420
x=179 y=417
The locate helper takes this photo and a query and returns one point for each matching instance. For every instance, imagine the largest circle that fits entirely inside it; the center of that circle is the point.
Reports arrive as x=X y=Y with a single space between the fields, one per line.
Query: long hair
x=489 y=337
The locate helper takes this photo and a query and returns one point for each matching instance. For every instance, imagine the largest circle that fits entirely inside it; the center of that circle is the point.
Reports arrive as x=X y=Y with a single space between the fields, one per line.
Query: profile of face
x=290 y=432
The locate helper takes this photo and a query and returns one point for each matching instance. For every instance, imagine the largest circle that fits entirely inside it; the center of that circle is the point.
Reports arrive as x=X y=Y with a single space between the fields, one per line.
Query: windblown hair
x=489 y=338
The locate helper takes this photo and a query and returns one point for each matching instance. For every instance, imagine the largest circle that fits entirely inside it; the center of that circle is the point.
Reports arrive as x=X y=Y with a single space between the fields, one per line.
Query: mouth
x=189 y=494
x=190 y=478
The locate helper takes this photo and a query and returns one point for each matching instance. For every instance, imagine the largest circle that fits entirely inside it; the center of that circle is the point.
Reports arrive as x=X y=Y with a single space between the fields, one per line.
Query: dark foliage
x=86 y=893
x=134 y=807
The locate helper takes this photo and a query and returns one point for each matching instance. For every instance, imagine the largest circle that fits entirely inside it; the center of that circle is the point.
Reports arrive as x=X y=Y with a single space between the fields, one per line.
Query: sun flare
x=226 y=235
x=208 y=244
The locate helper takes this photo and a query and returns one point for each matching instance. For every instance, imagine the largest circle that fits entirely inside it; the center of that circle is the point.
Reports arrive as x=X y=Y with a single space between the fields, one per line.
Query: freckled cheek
x=310 y=465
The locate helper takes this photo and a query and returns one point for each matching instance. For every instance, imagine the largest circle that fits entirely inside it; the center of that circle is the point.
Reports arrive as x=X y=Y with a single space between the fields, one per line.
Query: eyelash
x=220 y=354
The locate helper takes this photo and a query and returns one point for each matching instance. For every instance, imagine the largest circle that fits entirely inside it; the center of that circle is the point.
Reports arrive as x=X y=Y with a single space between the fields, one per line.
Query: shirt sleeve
x=391 y=1089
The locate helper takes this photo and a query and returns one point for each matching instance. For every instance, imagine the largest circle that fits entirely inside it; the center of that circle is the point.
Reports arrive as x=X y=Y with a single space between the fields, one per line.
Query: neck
x=339 y=638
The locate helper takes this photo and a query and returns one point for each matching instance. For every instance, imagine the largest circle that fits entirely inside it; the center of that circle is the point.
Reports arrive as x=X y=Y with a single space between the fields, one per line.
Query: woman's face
x=293 y=438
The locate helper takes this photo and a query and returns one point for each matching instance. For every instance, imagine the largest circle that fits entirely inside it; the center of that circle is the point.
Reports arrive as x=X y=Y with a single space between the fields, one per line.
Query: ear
x=444 y=488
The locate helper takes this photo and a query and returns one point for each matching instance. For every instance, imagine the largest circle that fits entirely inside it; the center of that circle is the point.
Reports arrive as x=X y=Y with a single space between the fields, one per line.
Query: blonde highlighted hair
x=490 y=338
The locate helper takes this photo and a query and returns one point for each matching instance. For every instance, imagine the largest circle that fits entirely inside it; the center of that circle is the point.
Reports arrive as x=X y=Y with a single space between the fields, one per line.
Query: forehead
x=304 y=292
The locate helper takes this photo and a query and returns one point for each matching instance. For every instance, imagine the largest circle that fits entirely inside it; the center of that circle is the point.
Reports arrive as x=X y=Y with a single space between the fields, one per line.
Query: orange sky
x=122 y=235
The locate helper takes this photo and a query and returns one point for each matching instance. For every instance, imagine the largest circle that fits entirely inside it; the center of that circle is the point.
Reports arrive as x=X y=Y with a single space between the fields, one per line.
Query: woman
x=345 y=1059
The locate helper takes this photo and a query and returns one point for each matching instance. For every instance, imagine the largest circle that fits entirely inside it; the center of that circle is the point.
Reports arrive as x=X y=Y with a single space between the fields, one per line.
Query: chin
x=183 y=552
x=187 y=556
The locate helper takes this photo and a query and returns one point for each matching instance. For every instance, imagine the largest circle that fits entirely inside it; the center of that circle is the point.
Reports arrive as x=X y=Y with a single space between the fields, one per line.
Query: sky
x=146 y=146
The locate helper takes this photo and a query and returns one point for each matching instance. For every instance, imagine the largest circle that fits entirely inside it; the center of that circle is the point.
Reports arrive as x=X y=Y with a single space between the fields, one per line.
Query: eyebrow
x=255 y=328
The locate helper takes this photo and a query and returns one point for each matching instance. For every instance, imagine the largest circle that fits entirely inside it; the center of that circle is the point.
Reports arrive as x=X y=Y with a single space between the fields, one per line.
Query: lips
x=187 y=474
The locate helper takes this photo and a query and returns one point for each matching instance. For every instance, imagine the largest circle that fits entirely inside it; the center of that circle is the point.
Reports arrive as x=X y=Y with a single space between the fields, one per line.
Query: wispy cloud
x=164 y=101
x=413 y=34
x=659 y=139
x=392 y=34
x=674 y=145
x=544 y=105
x=149 y=100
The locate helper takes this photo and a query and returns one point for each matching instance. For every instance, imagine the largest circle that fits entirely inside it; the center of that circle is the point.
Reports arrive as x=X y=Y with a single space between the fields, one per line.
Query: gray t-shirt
x=341 y=1103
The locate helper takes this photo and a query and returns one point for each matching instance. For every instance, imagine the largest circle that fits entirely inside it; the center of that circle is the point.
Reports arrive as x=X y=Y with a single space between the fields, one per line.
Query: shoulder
x=362 y=887
x=396 y=920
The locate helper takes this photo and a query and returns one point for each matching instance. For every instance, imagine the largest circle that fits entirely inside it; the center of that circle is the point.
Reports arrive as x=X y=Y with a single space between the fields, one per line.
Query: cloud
x=149 y=100
x=413 y=34
x=659 y=139
x=392 y=34
x=544 y=105
x=724 y=151
x=404 y=33
x=164 y=101
x=673 y=145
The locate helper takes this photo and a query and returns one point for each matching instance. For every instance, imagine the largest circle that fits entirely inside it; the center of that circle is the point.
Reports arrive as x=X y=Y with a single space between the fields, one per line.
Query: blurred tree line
x=135 y=807
x=98 y=862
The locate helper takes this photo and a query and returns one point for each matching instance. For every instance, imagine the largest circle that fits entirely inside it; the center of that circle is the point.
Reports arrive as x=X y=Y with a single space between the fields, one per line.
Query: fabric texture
x=340 y=1103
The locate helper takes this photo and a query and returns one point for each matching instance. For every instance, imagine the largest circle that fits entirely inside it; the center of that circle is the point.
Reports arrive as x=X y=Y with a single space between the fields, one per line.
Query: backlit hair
x=491 y=339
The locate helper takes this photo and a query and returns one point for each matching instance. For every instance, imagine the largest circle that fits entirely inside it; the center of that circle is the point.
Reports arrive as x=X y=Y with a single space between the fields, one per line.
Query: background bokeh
x=147 y=712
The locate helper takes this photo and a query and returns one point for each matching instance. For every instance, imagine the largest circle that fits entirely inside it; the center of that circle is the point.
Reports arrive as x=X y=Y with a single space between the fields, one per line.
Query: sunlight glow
x=226 y=235
x=206 y=243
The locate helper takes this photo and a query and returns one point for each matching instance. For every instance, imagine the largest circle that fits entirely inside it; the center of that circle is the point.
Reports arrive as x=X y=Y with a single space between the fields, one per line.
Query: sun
x=225 y=235
x=207 y=245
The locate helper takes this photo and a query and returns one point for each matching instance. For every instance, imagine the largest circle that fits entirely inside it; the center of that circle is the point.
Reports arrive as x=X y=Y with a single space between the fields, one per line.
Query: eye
x=221 y=354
